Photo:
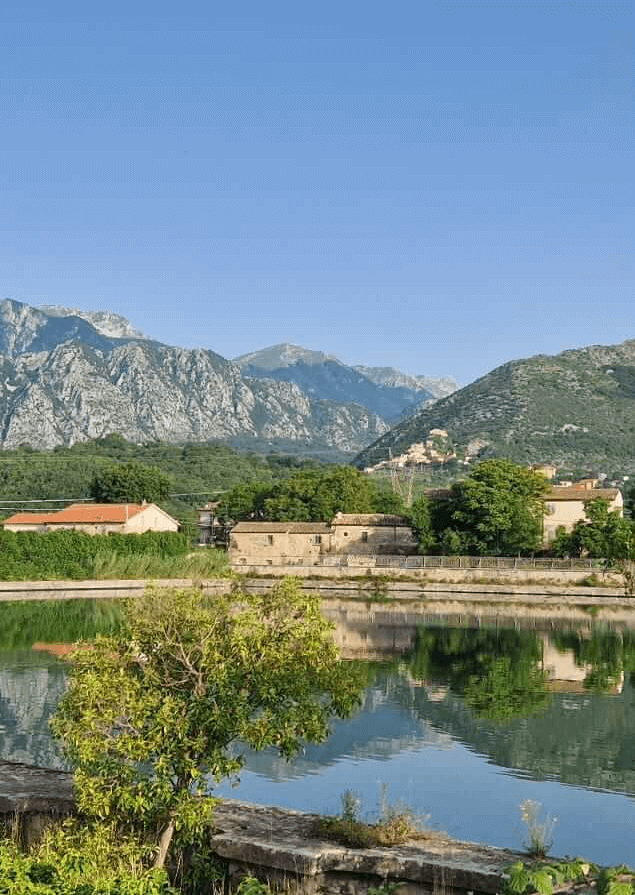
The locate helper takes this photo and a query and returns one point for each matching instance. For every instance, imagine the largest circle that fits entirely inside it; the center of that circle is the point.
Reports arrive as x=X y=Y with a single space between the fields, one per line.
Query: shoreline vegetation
x=76 y=556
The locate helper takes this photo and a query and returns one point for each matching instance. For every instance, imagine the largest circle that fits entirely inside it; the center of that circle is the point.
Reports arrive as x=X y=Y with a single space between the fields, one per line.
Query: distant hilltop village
x=436 y=449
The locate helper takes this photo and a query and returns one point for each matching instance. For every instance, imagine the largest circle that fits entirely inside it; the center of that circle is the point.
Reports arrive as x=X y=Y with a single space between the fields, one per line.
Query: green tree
x=316 y=495
x=419 y=516
x=603 y=534
x=499 y=509
x=245 y=501
x=153 y=714
x=130 y=482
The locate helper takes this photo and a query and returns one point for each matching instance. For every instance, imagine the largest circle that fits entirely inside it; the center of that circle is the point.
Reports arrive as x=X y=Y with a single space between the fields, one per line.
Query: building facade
x=295 y=543
x=564 y=506
x=92 y=518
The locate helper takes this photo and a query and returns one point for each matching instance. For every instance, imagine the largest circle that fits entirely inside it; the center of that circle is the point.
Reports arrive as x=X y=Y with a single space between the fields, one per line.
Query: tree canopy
x=498 y=509
x=603 y=534
x=308 y=495
x=153 y=715
x=130 y=482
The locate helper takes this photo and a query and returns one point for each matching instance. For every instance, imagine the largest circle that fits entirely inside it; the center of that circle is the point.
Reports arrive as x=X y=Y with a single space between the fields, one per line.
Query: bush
x=85 y=862
x=27 y=555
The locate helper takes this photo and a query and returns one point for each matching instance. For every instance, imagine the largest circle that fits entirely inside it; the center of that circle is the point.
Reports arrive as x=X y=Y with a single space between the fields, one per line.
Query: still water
x=461 y=723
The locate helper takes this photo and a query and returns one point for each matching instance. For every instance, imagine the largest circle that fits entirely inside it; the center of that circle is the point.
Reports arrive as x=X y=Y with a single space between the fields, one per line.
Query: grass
x=397 y=825
x=204 y=563
x=539 y=838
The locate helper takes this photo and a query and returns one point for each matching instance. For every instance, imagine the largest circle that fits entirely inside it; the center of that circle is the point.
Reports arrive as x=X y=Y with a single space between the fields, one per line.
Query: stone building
x=371 y=533
x=295 y=543
x=564 y=506
x=278 y=543
x=96 y=519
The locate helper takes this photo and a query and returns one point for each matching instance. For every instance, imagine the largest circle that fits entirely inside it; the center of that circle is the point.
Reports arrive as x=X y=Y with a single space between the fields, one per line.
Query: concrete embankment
x=408 y=602
x=98 y=590
x=284 y=846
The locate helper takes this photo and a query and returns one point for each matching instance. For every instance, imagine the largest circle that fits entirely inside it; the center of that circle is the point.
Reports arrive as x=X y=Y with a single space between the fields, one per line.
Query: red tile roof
x=80 y=513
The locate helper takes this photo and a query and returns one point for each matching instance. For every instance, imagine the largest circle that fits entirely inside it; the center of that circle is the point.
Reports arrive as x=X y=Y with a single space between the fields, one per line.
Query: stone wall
x=284 y=847
x=568 y=577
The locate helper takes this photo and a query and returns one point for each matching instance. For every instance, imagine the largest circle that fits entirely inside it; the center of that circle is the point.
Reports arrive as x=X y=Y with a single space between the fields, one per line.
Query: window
x=317 y=539
x=270 y=539
x=364 y=537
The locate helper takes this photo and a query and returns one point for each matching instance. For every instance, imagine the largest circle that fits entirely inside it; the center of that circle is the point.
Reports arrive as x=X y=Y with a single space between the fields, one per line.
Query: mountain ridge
x=574 y=408
x=71 y=375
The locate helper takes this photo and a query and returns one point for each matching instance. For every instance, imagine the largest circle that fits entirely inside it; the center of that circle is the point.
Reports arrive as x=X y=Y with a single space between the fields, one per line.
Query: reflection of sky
x=462 y=794
x=417 y=748
x=460 y=790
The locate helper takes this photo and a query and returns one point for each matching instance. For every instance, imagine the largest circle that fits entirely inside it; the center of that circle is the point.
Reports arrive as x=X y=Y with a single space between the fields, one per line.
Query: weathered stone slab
x=24 y=788
x=285 y=846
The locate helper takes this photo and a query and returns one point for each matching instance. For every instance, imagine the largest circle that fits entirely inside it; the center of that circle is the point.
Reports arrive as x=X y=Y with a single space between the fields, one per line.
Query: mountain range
x=383 y=390
x=575 y=410
x=70 y=375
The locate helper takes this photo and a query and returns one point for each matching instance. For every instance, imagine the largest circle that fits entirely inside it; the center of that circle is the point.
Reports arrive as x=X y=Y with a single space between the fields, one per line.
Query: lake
x=460 y=722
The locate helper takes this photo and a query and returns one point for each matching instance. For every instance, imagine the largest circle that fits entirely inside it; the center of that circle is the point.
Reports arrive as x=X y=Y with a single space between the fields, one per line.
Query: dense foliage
x=196 y=472
x=498 y=672
x=152 y=714
x=310 y=495
x=603 y=534
x=31 y=556
x=130 y=482
x=80 y=861
x=497 y=510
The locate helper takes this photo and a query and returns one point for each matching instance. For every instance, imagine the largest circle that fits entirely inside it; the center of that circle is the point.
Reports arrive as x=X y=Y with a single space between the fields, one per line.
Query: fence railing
x=447 y=562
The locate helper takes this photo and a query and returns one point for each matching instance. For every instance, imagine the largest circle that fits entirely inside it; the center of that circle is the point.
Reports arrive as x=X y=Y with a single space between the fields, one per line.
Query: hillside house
x=295 y=543
x=565 y=505
x=96 y=519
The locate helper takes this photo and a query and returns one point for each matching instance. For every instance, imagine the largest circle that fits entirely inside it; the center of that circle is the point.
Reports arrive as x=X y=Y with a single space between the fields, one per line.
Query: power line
x=199 y=493
x=50 y=500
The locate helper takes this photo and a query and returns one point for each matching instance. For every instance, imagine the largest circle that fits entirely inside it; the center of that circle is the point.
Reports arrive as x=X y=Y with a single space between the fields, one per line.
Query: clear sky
x=435 y=186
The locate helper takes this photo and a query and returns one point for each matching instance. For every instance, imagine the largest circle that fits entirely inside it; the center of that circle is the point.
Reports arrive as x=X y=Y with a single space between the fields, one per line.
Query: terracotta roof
x=282 y=527
x=80 y=513
x=373 y=519
x=573 y=493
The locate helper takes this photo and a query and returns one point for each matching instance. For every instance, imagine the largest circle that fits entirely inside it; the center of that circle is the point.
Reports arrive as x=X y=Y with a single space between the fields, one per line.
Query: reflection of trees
x=497 y=671
x=56 y=621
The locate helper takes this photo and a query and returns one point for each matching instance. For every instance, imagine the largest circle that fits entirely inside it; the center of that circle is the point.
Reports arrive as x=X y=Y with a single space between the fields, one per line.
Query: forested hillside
x=196 y=471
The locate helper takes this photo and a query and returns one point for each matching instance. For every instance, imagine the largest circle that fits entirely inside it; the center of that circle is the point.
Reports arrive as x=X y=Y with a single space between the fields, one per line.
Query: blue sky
x=439 y=187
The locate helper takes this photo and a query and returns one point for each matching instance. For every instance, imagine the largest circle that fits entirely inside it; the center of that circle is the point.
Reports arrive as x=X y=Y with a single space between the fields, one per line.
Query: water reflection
x=461 y=722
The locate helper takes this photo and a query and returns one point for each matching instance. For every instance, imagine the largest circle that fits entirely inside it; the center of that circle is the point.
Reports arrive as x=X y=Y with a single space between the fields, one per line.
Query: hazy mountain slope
x=384 y=390
x=437 y=387
x=577 y=408
x=277 y=356
x=65 y=381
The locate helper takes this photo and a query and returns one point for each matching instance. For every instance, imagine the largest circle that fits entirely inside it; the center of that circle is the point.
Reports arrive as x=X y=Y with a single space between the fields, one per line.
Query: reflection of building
x=96 y=519
x=565 y=674
x=280 y=543
x=565 y=505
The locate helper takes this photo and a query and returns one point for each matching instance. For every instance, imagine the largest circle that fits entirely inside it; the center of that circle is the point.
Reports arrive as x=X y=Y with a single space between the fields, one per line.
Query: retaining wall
x=440 y=575
x=285 y=847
